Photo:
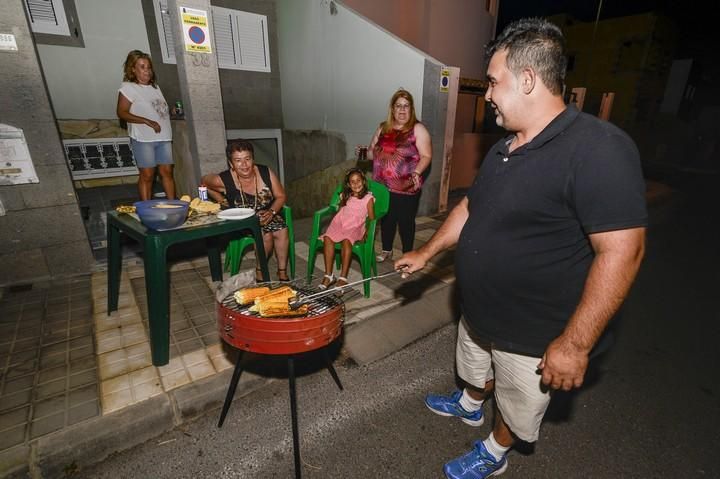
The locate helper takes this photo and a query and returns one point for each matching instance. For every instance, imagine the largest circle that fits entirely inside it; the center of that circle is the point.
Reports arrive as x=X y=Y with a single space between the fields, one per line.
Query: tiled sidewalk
x=125 y=368
x=48 y=368
x=192 y=318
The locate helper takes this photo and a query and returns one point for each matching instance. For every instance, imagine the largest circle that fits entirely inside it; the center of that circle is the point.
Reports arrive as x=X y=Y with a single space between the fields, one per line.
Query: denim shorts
x=149 y=154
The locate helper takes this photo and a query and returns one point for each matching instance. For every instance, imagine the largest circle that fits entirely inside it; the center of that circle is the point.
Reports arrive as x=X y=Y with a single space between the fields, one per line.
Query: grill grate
x=316 y=306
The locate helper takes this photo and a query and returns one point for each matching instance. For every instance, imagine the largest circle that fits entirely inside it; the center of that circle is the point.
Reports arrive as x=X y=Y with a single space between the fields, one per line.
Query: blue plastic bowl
x=156 y=217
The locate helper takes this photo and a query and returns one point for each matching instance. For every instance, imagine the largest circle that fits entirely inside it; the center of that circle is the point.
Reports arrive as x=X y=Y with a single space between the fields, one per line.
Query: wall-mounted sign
x=7 y=42
x=444 y=80
x=16 y=167
x=195 y=30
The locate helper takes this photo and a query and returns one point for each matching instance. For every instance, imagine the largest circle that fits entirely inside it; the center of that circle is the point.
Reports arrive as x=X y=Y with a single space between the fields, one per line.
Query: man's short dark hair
x=534 y=43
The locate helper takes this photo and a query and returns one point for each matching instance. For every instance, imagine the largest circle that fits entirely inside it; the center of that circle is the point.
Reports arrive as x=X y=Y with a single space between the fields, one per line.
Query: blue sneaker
x=450 y=406
x=476 y=464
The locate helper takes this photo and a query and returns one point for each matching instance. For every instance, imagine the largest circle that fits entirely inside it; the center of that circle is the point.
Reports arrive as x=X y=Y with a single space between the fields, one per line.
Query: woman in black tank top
x=247 y=185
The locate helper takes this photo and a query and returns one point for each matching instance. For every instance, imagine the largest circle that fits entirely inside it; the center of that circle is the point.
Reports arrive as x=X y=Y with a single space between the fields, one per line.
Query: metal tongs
x=306 y=299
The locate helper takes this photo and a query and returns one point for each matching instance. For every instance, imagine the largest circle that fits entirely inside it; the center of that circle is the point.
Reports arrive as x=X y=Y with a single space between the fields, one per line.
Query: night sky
x=695 y=27
x=585 y=10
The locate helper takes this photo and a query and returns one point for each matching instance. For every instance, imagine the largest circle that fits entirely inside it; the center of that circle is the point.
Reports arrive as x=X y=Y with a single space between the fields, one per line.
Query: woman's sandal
x=328 y=280
x=341 y=281
x=384 y=255
x=282 y=276
x=258 y=275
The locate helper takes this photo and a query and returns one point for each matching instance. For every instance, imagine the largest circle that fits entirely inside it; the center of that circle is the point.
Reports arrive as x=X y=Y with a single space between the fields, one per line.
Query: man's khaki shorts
x=519 y=393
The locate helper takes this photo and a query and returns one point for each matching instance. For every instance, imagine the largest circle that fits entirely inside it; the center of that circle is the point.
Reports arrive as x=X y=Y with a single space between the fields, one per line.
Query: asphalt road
x=649 y=409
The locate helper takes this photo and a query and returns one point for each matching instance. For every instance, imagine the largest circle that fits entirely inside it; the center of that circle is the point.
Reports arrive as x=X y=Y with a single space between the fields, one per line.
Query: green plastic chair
x=363 y=250
x=236 y=248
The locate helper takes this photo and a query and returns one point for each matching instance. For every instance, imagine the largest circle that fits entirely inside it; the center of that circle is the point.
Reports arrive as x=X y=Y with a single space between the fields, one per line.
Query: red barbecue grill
x=248 y=331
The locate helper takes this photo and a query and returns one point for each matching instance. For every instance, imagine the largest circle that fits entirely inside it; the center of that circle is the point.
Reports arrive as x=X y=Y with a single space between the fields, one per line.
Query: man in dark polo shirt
x=549 y=239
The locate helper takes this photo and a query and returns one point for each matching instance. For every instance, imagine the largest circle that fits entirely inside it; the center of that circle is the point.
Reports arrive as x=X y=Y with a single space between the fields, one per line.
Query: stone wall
x=315 y=164
x=310 y=193
x=41 y=233
x=309 y=151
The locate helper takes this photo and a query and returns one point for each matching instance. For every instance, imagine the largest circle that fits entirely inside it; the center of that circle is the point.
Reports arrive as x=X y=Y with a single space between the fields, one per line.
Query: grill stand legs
x=231 y=389
x=293 y=400
x=293 y=415
x=330 y=367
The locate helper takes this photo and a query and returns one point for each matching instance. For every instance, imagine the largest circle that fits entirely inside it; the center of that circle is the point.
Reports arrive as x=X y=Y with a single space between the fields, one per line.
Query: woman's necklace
x=242 y=193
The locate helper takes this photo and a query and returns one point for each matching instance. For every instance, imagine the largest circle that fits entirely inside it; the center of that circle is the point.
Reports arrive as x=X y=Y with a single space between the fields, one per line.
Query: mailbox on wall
x=16 y=166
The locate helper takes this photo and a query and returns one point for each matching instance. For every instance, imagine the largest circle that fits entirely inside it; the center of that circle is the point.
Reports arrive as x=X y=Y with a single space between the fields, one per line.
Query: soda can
x=202 y=193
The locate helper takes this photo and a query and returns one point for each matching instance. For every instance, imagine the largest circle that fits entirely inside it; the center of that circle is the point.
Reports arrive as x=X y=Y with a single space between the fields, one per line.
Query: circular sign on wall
x=196 y=34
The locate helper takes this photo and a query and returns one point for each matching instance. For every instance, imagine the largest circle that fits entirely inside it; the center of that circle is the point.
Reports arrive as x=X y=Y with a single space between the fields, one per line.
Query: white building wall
x=338 y=71
x=83 y=82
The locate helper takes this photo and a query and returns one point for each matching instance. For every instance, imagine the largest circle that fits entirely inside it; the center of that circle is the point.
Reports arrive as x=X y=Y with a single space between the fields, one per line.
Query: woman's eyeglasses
x=401 y=106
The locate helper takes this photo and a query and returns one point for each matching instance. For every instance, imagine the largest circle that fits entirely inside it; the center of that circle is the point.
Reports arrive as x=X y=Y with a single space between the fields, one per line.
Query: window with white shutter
x=252 y=44
x=167 y=43
x=225 y=36
x=47 y=16
x=241 y=38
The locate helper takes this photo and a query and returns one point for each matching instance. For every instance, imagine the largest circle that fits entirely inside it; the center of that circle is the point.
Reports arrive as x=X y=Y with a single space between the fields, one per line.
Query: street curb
x=199 y=397
x=388 y=332
x=94 y=440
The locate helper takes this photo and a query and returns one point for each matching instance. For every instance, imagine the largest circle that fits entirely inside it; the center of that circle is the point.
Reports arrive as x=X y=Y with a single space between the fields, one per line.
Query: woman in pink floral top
x=401 y=152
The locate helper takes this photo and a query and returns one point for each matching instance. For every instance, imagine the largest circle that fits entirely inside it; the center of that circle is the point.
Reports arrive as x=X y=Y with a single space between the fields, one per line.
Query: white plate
x=236 y=213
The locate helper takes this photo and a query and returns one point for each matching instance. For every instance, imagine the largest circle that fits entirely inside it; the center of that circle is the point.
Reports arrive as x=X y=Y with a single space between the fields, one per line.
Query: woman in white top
x=142 y=105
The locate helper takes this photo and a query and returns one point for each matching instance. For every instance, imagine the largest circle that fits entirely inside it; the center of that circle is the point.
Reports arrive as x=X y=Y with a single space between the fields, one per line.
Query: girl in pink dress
x=347 y=226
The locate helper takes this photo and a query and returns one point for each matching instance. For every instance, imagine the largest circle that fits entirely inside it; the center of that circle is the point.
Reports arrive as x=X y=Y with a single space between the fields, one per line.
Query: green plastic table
x=156 y=244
